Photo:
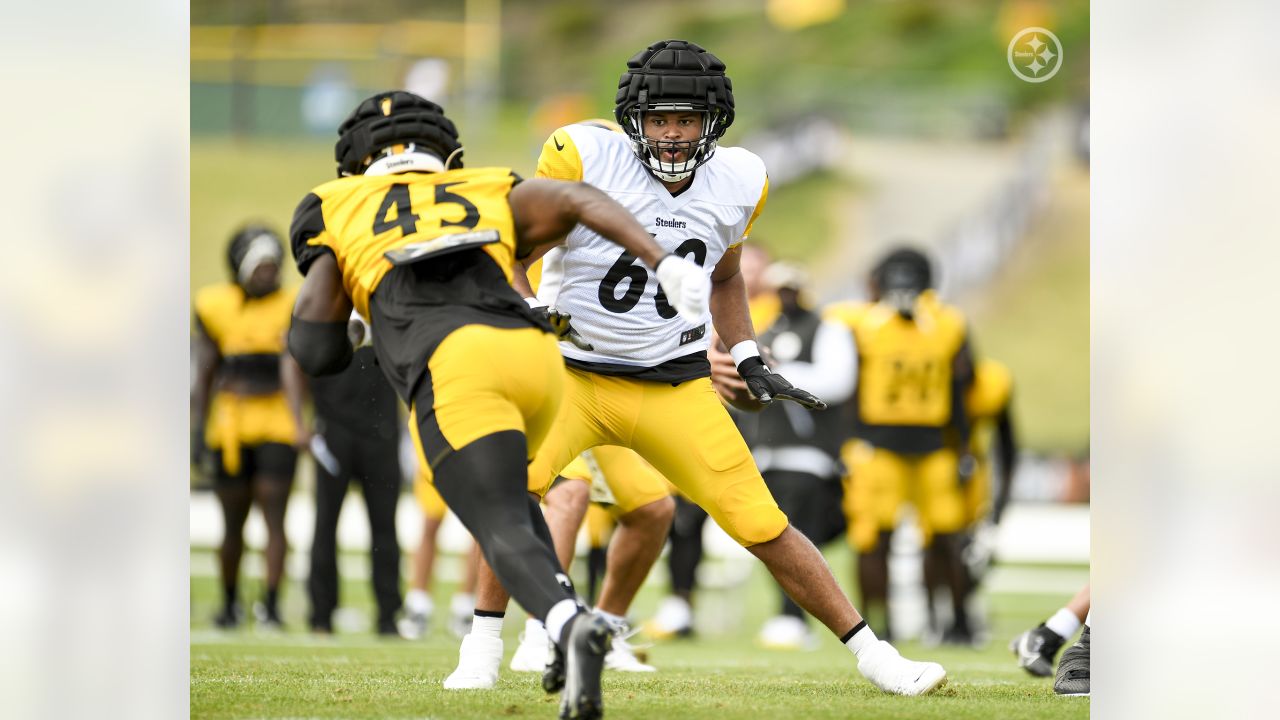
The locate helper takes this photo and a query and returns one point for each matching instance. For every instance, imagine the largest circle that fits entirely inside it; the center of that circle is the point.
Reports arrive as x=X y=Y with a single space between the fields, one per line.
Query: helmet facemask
x=901 y=284
x=674 y=76
x=649 y=151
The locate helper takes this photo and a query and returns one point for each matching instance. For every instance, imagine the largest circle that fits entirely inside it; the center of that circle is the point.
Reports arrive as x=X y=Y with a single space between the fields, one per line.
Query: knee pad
x=752 y=526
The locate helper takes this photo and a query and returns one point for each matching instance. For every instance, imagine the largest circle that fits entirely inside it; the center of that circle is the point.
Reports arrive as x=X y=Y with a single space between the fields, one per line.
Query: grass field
x=357 y=675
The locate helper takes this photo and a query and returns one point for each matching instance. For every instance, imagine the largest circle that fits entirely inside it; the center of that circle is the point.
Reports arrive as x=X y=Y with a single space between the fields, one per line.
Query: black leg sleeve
x=686 y=546
x=485 y=485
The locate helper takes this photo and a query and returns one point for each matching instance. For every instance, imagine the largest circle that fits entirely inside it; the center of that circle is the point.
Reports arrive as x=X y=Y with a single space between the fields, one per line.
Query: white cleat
x=534 y=650
x=478 y=661
x=622 y=654
x=413 y=625
x=892 y=673
x=674 y=619
x=785 y=632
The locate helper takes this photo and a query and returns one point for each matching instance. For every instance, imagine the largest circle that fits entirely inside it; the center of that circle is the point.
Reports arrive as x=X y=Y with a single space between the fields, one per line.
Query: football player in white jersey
x=644 y=382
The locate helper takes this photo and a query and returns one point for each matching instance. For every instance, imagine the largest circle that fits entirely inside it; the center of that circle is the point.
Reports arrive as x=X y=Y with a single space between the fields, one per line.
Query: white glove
x=981 y=550
x=358 y=331
x=687 y=286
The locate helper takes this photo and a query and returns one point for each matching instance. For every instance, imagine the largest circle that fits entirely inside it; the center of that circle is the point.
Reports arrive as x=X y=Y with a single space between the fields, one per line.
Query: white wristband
x=744 y=350
x=534 y=302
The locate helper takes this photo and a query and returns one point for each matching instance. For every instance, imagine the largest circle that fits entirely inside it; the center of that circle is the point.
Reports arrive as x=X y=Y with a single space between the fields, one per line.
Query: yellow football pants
x=683 y=431
x=485 y=380
x=880 y=482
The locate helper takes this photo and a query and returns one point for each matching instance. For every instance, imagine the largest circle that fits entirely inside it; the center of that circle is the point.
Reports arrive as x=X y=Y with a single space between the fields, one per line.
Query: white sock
x=862 y=640
x=462 y=603
x=531 y=626
x=558 y=616
x=1064 y=622
x=614 y=620
x=418 y=602
x=486 y=626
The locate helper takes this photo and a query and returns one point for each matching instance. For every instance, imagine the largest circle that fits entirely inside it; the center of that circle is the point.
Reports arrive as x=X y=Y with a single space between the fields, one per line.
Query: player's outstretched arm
x=318 y=337
x=546 y=210
x=732 y=319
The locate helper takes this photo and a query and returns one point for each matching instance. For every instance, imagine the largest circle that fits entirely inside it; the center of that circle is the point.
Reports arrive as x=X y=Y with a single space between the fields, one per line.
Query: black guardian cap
x=395 y=121
x=900 y=277
x=672 y=76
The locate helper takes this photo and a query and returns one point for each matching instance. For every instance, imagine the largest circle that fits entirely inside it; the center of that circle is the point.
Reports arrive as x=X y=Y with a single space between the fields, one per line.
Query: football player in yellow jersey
x=247 y=434
x=645 y=385
x=424 y=249
x=994 y=446
x=914 y=367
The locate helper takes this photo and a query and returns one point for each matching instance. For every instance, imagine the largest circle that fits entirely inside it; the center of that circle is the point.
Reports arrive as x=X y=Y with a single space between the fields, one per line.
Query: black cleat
x=229 y=618
x=1073 y=670
x=553 y=674
x=1036 y=649
x=588 y=642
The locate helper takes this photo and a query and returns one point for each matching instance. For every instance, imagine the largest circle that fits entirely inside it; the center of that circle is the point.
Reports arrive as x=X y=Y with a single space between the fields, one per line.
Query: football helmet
x=673 y=76
x=395 y=122
x=900 y=277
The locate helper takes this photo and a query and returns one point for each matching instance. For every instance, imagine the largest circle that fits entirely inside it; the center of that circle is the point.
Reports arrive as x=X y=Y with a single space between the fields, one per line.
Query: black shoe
x=229 y=618
x=588 y=642
x=1036 y=649
x=387 y=628
x=267 y=618
x=958 y=636
x=1073 y=671
x=553 y=675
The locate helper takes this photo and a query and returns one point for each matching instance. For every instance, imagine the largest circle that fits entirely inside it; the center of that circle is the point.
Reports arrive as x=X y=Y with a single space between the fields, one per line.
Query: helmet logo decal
x=386 y=106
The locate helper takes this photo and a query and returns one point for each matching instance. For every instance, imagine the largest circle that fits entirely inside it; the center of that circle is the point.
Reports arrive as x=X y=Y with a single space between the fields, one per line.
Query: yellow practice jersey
x=903 y=398
x=764 y=309
x=243 y=325
x=421 y=255
x=250 y=336
x=249 y=333
x=360 y=219
x=986 y=401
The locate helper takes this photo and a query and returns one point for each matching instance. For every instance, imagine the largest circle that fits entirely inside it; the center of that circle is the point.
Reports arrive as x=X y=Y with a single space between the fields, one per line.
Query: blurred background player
x=357 y=430
x=418 y=604
x=674 y=617
x=798 y=450
x=247 y=435
x=994 y=447
x=914 y=369
x=483 y=379
x=1037 y=647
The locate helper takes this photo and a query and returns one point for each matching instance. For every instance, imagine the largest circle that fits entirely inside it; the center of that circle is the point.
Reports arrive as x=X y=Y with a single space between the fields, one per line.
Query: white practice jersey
x=614 y=299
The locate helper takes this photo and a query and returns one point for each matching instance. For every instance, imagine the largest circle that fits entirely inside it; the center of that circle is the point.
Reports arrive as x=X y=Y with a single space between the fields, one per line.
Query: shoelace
x=622 y=634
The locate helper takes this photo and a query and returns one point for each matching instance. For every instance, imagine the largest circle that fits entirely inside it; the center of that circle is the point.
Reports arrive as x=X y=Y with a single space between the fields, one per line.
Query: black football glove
x=767 y=386
x=560 y=325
